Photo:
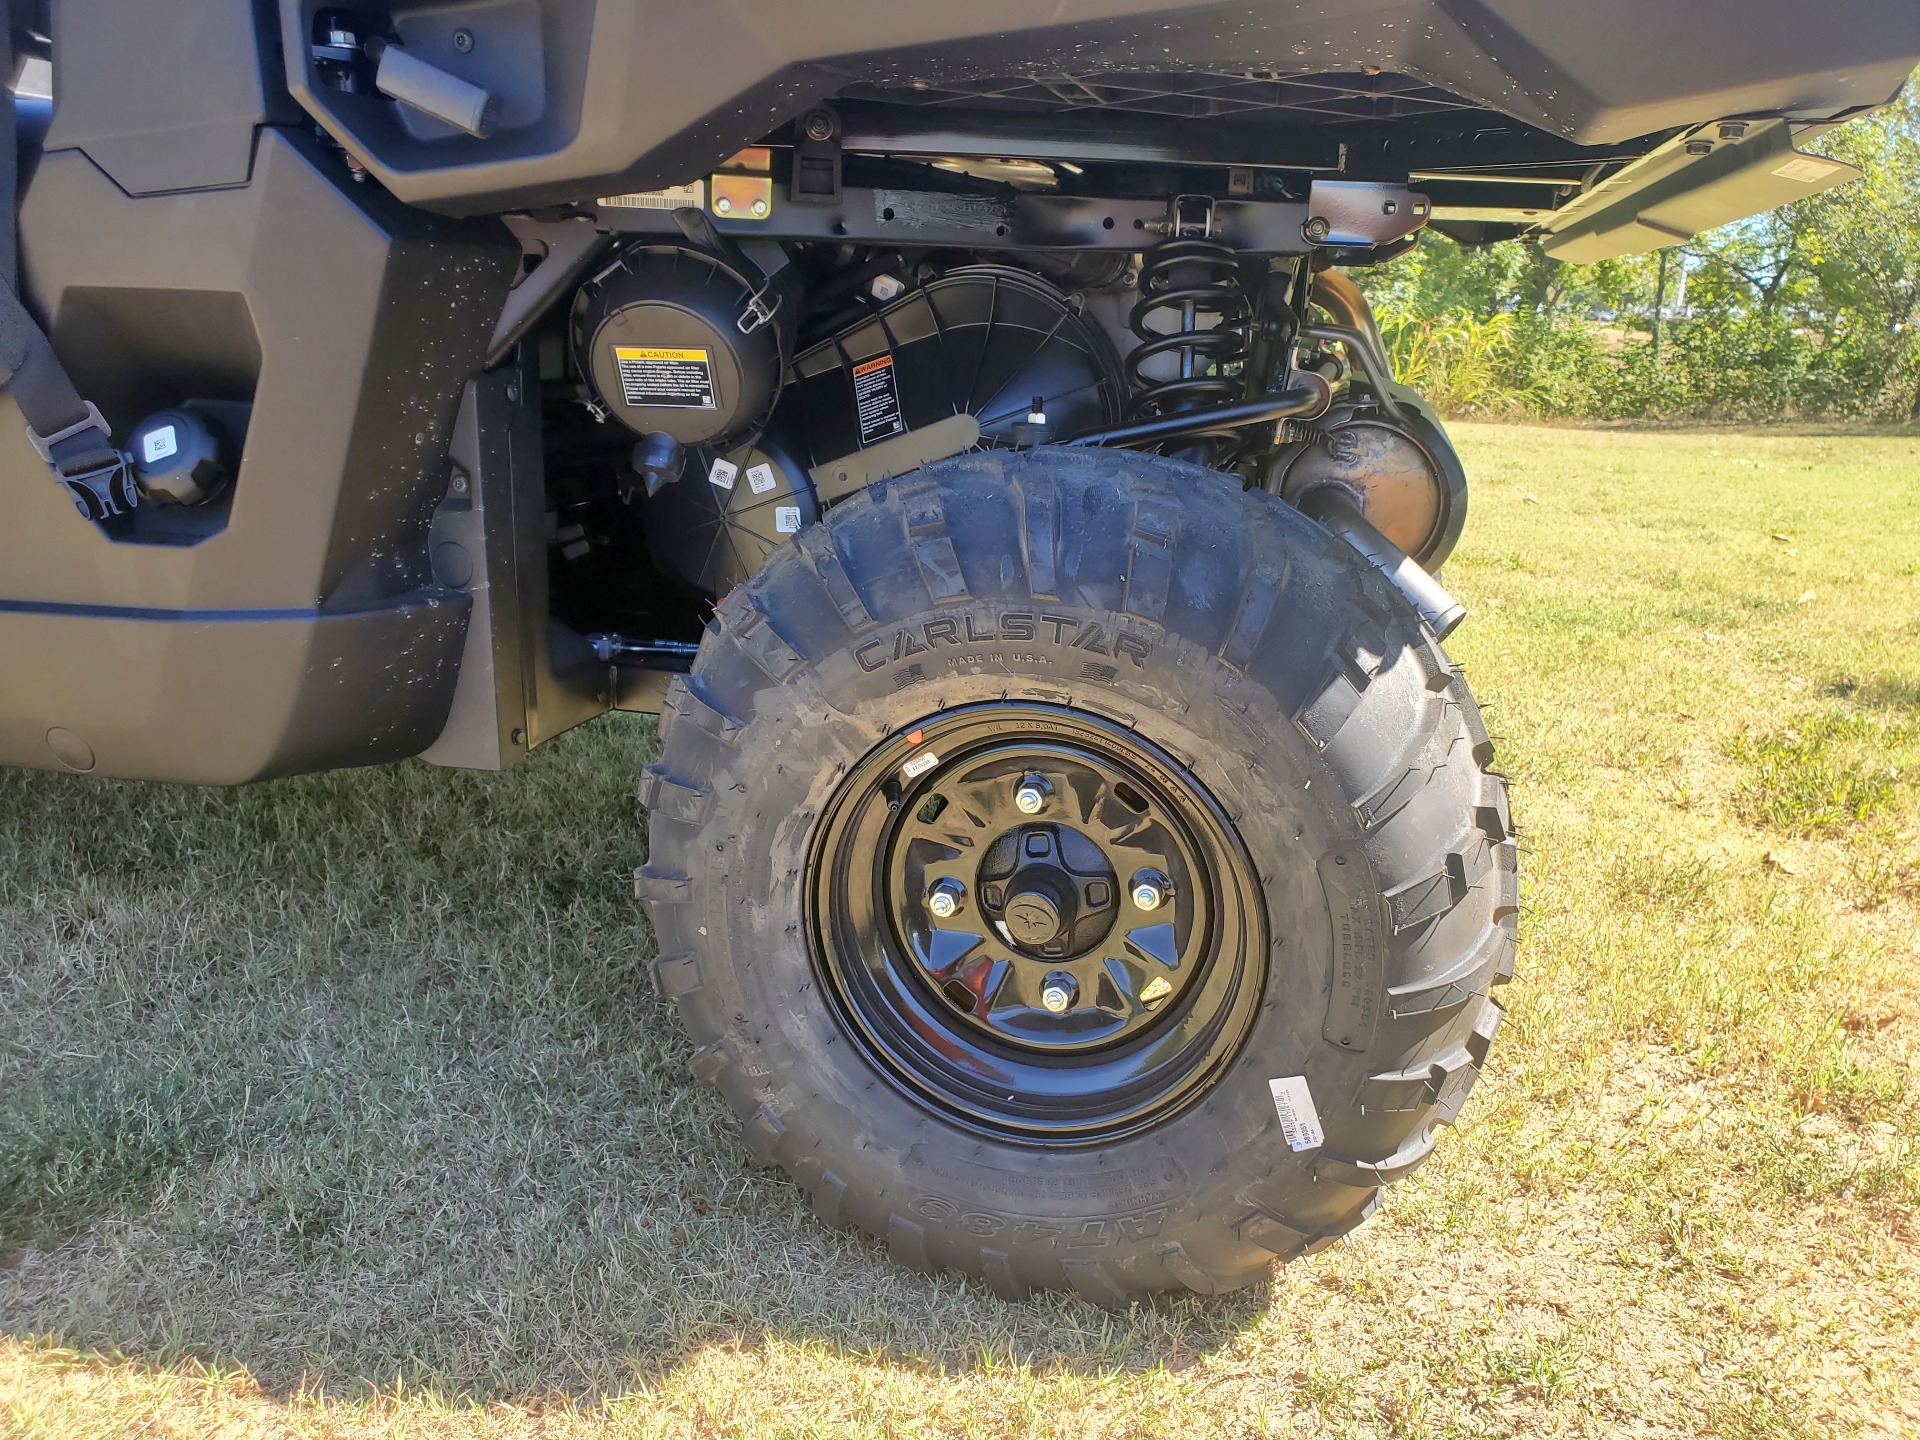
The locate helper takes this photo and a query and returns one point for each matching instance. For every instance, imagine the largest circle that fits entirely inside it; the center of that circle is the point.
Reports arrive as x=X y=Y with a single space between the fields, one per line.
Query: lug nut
x=1150 y=889
x=1031 y=797
x=944 y=899
x=1058 y=992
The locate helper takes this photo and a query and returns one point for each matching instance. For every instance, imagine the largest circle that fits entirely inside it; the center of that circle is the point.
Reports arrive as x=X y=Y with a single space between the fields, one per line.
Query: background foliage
x=1812 y=311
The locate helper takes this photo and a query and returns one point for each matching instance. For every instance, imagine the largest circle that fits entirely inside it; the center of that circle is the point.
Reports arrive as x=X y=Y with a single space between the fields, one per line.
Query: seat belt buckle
x=98 y=491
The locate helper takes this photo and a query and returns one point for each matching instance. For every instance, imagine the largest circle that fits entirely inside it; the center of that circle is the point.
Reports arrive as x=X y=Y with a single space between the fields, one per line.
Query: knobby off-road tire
x=1242 y=665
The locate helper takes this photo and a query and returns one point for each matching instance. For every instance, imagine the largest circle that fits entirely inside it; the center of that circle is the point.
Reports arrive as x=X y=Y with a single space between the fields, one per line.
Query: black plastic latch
x=816 y=159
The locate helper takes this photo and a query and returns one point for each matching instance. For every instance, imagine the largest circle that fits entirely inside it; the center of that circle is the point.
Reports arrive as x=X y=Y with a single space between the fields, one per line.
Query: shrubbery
x=1731 y=367
x=1810 y=312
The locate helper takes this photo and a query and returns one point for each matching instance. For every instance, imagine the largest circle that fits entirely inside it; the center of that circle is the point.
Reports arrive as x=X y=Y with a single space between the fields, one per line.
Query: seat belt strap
x=67 y=431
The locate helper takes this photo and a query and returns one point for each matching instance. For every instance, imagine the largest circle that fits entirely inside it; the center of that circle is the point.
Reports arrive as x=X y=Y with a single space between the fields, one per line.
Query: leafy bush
x=1811 y=311
x=1463 y=363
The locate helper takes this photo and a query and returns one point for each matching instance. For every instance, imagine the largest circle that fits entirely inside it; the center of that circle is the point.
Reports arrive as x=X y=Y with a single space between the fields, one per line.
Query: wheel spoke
x=946 y=949
x=1155 y=944
x=1116 y=992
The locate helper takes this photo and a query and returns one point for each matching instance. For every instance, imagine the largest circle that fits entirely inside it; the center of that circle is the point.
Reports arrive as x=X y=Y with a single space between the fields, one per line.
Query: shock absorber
x=1196 y=284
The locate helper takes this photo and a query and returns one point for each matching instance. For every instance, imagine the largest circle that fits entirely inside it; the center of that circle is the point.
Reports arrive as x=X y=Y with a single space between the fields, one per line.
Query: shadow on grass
x=359 y=1079
x=1876 y=692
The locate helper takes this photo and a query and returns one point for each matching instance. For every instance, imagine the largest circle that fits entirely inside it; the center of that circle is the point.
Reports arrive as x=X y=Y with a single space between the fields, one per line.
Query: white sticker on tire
x=786 y=519
x=760 y=479
x=919 y=765
x=723 y=474
x=1298 y=1118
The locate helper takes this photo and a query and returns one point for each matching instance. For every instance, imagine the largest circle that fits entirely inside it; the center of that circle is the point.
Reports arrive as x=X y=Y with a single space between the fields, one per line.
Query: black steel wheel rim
x=1037 y=921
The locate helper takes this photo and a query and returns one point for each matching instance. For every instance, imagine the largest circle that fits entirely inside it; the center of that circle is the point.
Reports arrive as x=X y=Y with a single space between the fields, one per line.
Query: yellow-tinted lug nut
x=1058 y=993
x=1150 y=890
x=944 y=899
x=1031 y=797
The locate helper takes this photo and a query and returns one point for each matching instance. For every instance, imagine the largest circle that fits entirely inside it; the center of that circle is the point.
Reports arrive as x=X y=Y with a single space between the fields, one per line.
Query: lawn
x=344 y=1106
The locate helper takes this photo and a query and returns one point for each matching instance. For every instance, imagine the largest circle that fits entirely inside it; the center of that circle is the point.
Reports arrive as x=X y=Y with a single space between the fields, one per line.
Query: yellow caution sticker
x=658 y=378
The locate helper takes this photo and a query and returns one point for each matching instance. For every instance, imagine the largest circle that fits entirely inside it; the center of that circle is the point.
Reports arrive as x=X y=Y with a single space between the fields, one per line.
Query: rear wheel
x=1079 y=873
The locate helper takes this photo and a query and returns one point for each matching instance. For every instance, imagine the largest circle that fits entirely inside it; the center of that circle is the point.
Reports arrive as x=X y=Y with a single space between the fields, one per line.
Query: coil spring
x=1195 y=280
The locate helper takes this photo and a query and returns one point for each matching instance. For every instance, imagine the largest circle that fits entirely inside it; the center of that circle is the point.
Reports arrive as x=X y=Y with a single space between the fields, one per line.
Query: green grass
x=343 y=1106
x=1828 y=772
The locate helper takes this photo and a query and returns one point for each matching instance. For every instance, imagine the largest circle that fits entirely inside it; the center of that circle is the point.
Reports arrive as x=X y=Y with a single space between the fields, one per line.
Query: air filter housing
x=659 y=336
x=982 y=340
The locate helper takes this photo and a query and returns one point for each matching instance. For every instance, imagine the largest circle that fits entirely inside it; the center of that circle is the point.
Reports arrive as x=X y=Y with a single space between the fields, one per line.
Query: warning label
x=666 y=379
x=876 y=396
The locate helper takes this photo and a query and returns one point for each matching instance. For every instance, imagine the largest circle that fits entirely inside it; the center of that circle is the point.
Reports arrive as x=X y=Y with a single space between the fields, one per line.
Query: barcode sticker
x=160 y=444
x=1298 y=1118
x=919 y=765
x=760 y=479
x=723 y=474
x=1807 y=169
x=786 y=519
x=674 y=197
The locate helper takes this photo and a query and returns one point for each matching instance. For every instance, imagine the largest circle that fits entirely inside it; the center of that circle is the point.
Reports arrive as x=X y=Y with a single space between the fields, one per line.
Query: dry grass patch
x=342 y=1106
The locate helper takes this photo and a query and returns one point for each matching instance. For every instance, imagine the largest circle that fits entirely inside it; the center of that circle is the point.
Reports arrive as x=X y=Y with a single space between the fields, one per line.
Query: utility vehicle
x=1072 y=852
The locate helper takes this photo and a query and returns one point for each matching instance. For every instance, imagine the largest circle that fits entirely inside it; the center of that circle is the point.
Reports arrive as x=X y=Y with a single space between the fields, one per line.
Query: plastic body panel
x=310 y=631
x=523 y=677
x=222 y=698
x=193 y=129
x=645 y=93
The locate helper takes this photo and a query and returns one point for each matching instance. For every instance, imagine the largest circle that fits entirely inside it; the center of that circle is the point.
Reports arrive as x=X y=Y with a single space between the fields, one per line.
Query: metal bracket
x=1363 y=213
x=1191 y=217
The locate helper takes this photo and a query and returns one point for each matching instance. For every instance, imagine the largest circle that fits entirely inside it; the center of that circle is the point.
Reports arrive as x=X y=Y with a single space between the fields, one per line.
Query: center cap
x=1033 y=918
x=1050 y=890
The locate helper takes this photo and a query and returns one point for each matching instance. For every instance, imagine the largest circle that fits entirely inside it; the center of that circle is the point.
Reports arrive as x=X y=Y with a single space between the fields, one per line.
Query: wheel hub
x=971 y=915
x=1050 y=888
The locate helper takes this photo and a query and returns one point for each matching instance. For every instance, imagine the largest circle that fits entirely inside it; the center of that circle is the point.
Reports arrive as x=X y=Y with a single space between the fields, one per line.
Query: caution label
x=876 y=397
x=665 y=379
